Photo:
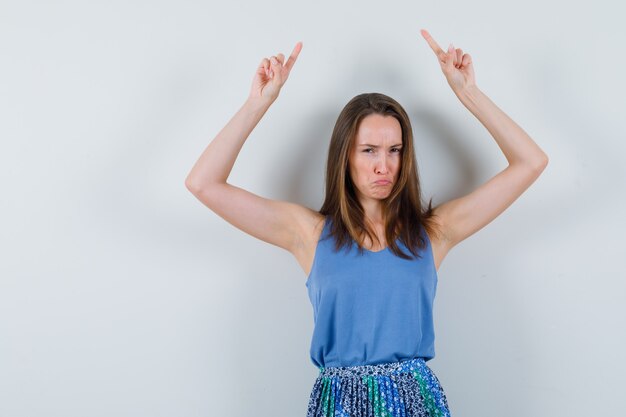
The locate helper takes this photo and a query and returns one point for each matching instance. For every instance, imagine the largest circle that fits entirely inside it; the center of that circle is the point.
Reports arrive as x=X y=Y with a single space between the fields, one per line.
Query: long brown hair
x=402 y=210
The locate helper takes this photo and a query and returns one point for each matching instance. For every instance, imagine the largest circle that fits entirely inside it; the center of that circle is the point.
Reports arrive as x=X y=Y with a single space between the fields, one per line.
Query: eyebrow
x=399 y=145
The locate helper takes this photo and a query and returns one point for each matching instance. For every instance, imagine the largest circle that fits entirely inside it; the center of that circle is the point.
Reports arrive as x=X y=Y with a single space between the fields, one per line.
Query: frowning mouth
x=382 y=182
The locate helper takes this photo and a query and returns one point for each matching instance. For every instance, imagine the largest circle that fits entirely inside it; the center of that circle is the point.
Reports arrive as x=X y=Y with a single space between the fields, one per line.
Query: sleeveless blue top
x=370 y=308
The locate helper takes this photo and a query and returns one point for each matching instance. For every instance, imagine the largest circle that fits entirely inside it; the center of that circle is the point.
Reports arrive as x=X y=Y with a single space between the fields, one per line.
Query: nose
x=381 y=165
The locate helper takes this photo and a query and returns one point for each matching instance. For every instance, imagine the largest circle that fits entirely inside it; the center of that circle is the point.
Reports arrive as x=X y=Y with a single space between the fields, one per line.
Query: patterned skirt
x=406 y=388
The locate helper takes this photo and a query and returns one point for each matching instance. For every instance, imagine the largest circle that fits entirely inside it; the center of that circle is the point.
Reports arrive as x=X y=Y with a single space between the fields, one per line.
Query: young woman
x=372 y=251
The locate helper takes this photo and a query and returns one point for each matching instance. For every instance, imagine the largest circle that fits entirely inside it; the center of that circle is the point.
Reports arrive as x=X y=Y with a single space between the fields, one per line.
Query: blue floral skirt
x=406 y=388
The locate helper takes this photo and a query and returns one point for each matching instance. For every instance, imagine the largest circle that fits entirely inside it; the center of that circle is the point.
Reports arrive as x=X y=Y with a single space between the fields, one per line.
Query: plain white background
x=122 y=295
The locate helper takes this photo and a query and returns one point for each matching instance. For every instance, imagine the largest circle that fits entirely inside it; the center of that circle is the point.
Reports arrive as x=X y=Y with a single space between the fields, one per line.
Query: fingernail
x=274 y=61
x=450 y=47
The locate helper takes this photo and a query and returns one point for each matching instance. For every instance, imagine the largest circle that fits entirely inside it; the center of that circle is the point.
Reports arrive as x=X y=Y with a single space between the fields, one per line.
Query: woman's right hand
x=272 y=74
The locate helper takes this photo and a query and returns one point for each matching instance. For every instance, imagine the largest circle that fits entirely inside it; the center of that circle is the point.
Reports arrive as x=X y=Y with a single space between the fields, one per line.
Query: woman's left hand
x=456 y=66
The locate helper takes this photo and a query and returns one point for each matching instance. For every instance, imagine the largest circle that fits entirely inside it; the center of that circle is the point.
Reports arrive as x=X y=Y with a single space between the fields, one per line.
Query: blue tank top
x=370 y=308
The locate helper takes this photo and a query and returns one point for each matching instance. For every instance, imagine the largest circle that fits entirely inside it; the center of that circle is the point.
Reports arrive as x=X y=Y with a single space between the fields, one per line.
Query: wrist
x=468 y=93
x=259 y=102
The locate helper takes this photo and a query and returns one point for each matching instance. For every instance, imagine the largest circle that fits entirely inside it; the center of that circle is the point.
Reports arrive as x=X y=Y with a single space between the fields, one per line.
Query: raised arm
x=277 y=222
x=464 y=216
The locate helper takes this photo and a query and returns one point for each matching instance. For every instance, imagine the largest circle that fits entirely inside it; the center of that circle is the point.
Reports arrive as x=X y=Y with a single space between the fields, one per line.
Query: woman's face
x=374 y=162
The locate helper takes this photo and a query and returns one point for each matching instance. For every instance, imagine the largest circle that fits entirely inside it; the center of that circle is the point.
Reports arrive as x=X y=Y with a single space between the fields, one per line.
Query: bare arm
x=464 y=216
x=217 y=160
x=276 y=222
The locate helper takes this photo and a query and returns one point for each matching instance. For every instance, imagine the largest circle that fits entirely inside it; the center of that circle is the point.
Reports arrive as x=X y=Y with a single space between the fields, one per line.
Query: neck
x=373 y=212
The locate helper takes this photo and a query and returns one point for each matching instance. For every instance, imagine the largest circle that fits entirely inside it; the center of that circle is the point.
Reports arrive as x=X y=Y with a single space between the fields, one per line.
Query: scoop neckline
x=371 y=251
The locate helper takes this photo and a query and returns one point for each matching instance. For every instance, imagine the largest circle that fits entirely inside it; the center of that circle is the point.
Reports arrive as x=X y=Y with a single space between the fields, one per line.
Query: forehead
x=376 y=127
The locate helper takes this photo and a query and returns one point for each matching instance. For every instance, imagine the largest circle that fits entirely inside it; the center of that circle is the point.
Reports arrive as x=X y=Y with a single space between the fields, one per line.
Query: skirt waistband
x=387 y=368
x=403 y=388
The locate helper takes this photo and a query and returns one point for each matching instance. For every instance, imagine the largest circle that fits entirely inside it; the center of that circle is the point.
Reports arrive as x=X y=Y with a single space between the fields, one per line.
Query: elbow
x=543 y=162
x=540 y=164
x=536 y=164
x=196 y=187
x=191 y=185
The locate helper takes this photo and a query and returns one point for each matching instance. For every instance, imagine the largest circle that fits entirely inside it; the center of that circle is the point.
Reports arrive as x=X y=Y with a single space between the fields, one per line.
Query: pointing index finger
x=294 y=55
x=433 y=45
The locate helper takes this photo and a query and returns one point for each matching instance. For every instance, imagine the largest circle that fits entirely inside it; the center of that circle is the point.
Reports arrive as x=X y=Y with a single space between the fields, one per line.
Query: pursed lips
x=382 y=182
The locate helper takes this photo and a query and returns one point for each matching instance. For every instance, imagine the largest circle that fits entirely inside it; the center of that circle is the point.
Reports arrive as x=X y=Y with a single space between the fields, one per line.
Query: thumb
x=275 y=71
